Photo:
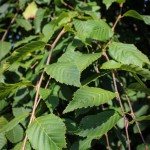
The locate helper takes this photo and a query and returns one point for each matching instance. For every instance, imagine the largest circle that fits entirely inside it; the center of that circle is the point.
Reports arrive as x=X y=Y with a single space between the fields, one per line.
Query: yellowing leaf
x=30 y=11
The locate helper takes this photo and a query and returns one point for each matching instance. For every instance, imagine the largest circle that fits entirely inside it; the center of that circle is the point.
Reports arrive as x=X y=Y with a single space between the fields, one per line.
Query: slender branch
x=114 y=26
x=67 y=5
x=40 y=82
x=133 y=115
x=6 y=31
x=107 y=139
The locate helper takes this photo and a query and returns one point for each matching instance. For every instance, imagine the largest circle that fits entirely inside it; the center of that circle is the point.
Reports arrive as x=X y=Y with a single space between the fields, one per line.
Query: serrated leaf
x=82 y=61
x=84 y=144
x=89 y=97
x=3 y=140
x=108 y=3
x=95 y=126
x=10 y=125
x=130 y=68
x=24 y=24
x=5 y=47
x=64 y=72
x=20 y=53
x=30 y=11
x=92 y=29
x=139 y=87
x=6 y=89
x=48 y=132
x=136 y=15
x=127 y=54
x=15 y=135
x=49 y=98
x=38 y=19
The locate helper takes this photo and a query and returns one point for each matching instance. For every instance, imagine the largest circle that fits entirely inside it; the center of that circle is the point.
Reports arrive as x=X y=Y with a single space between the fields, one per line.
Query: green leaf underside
x=136 y=15
x=95 y=126
x=10 y=125
x=131 y=68
x=6 y=89
x=20 y=53
x=89 y=97
x=92 y=29
x=69 y=67
x=48 y=132
x=127 y=54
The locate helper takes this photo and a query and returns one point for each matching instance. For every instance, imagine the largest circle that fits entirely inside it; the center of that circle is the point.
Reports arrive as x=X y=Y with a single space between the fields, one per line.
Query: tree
x=74 y=74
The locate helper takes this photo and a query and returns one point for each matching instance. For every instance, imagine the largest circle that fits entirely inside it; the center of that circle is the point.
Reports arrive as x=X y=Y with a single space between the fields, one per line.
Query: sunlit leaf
x=30 y=11
x=6 y=89
x=48 y=132
x=136 y=15
x=127 y=54
x=89 y=97
x=5 y=48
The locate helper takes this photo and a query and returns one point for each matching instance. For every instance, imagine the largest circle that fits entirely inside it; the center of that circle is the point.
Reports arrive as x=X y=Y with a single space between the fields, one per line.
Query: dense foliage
x=74 y=74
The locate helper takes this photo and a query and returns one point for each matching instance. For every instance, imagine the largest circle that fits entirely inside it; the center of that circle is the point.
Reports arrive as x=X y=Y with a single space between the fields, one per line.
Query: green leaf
x=49 y=98
x=3 y=121
x=48 y=132
x=48 y=30
x=95 y=126
x=136 y=15
x=3 y=140
x=10 y=125
x=5 y=47
x=138 y=87
x=64 y=72
x=6 y=89
x=82 y=61
x=84 y=144
x=69 y=67
x=26 y=40
x=20 y=53
x=141 y=118
x=89 y=97
x=38 y=19
x=130 y=68
x=108 y=3
x=19 y=146
x=15 y=135
x=30 y=11
x=127 y=54
x=92 y=29
x=24 y=24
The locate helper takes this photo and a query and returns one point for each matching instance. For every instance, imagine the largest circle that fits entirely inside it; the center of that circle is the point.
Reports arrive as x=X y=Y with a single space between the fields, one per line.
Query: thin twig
x=133 y=115
x=40 y=82
x=6 y=31
x=107 y=139
x=67 y=5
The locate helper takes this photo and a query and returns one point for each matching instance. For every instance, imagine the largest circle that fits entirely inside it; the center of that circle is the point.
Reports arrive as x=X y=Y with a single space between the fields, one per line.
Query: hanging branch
x=37 y=99
x=6 y=31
